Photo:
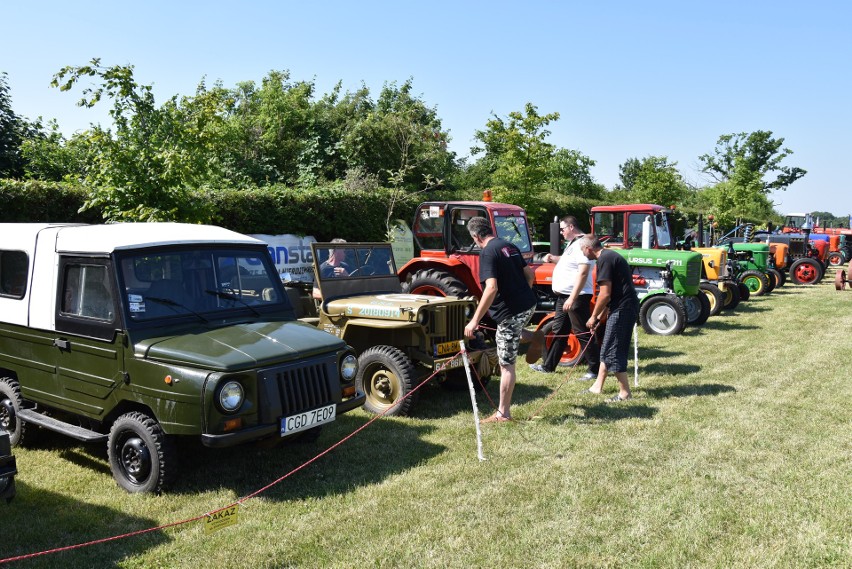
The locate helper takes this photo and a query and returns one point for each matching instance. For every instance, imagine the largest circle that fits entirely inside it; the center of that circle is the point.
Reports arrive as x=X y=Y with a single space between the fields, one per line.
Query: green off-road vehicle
x=400 y=338
x=136 y=334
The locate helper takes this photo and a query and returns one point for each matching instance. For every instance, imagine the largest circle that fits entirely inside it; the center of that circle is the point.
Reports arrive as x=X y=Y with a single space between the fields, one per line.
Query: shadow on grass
x=688 y=390
x=668 y=369
x=44 y=520
x=608 y=412
x=651 y=353
x=728 y=325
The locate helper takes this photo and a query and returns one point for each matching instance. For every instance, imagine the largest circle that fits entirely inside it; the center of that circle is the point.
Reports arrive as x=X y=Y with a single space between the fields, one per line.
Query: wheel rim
x=835 y=259
x=7 y=415
x=692 y=307
x=753 y=284
x=662 y=318
x=134 y=459
x=572 y=348
x=712 y=298
x=806 y=273
x=382 y=387
x=428 y=290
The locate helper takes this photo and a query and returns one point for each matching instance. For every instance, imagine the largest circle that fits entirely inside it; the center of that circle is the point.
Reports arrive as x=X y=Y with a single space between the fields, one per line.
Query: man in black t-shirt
x=616 y=294
x=508 y=297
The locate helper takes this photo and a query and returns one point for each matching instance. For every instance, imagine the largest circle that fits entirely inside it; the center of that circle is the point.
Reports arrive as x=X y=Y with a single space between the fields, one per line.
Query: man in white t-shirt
x=572 y=283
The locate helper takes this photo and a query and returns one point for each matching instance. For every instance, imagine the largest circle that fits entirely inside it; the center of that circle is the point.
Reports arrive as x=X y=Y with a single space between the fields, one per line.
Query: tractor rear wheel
x=731 y=291
x=435 y=282
x=806 y=271
x=715 y=296
x=663 y=315
x=757 y=283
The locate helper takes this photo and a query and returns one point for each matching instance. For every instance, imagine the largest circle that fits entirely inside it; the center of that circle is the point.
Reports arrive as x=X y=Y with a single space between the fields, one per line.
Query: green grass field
x=736 y=451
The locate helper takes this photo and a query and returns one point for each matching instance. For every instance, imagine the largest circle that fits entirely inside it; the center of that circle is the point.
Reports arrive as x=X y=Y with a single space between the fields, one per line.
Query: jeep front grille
x=455 y=323
x=296 y=387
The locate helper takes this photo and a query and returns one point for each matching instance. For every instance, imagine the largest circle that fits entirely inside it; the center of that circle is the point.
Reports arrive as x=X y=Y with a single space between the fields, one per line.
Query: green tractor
x=753 y=264
x=667 y=283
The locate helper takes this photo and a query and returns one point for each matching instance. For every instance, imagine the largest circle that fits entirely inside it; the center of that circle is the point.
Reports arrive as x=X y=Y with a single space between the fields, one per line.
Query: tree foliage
x=13 y=131
x=652 y=179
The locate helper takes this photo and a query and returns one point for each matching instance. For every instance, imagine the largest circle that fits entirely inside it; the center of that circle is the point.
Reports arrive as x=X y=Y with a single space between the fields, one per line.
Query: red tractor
x=447 y=260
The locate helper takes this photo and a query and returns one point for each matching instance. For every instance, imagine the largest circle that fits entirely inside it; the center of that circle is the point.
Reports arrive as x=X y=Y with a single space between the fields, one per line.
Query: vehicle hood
x=394 y=306
x=240 y=345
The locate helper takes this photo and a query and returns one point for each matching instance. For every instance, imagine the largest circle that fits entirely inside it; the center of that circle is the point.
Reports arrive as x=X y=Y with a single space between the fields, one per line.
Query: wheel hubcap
x=135 y=459
x=7 y=415
x=384 y=387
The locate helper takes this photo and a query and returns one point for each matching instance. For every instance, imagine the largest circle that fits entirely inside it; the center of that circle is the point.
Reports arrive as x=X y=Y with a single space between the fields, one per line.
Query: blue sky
x=629 y=79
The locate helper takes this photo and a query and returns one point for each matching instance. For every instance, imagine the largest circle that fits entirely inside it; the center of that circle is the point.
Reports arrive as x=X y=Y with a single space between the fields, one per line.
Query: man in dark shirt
x=617 y=295
x=508 y=297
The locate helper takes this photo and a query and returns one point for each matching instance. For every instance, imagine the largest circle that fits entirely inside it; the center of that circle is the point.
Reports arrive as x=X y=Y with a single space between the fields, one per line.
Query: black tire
x=731 y=293
x=663 y=315
x=697 y=309
x=714 y=296
x=745 y=293
x=435 y=282
x=779 y=277
x=386 y=376
x=835 y=258
x=10 y=403
x=756 y=282
x=142 y=458
x=806 y=271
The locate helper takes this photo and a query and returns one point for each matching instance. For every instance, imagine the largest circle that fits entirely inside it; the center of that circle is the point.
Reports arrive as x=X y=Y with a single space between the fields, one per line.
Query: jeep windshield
x=179 y=282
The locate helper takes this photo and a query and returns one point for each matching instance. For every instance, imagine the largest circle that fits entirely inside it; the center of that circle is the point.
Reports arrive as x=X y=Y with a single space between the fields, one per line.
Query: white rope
x=472 y=401
x=635 y=356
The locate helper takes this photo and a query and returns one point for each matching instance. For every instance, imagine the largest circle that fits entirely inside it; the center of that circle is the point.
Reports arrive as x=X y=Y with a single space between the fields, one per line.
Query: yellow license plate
x=447 y=348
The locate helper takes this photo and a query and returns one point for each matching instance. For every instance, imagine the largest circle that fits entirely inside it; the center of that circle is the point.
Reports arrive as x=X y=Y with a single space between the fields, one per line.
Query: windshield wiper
x=229 y=296
x=174 y=304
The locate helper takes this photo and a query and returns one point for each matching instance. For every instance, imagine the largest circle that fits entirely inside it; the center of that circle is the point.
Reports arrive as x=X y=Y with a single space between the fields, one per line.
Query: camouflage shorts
x=509 y=336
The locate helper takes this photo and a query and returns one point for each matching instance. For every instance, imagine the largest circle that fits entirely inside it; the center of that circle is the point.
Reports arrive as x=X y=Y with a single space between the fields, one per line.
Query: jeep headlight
x=348 y=367
x=231 y=396
x=423 y=317
x=468 y=311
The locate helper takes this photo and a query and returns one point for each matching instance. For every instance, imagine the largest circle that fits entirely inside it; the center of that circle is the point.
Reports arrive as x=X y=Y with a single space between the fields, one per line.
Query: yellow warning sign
x=221 y=519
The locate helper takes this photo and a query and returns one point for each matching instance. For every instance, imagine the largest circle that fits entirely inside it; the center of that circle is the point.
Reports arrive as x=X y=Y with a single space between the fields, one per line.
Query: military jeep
x=400 y=338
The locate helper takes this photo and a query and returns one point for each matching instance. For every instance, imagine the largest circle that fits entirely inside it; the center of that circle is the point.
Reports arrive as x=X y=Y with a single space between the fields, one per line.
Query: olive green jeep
x=400 y=338
x=138 y=334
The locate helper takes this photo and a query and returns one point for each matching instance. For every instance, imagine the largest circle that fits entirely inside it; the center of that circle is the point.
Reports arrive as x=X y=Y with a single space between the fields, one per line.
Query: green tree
x=516 y=151
x=652 y=179
x=569 y=173
x=753 y=158
x=51 y=157
x=147 y=167
x=13 y=131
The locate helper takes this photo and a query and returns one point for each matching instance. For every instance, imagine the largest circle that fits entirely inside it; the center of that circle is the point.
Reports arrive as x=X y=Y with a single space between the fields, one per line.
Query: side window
x=429 y=228
x=634 y=231
x=86 y=292
x=13 y=273
x=461 y=236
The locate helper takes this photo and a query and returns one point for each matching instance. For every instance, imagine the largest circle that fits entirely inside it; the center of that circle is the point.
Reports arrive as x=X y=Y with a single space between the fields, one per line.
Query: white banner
x=292 y=255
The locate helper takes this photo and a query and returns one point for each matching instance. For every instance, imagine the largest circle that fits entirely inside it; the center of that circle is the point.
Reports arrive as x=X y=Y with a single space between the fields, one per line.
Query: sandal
x=617 y=398
x=495 y=418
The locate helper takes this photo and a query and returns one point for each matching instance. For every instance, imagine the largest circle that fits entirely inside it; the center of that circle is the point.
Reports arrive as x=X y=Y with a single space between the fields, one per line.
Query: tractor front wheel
x=572 y=352
x=697 y=309
x=663 y=315
x=715 y=296
x=778 y=278
x=731 y=291
x=756 y=282
x=835 y=258
x=806 y=271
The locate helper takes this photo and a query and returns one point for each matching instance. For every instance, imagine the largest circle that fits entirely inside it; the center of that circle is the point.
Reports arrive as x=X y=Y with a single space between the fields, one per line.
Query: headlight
x=348 y=367
x=231 y=396
x=468 y=311
x=423 y=317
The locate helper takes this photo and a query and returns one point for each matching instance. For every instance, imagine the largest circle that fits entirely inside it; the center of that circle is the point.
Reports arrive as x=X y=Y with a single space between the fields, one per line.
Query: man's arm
x=488 y=294
x=579 y=283
x=529 y=274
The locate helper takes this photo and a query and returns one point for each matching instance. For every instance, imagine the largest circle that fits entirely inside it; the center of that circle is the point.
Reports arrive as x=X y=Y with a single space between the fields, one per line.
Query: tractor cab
x=621 y=226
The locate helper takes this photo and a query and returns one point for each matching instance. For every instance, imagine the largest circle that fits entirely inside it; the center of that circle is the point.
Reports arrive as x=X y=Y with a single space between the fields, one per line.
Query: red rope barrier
x=241 y=500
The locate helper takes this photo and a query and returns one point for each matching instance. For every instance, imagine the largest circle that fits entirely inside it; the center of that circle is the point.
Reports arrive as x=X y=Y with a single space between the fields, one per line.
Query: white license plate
x=308 y=419
x=450 y=364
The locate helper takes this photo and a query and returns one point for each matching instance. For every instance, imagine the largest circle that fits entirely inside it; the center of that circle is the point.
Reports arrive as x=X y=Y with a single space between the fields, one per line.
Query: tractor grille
x=296 y=387
x=797 y=247
x=693 y=273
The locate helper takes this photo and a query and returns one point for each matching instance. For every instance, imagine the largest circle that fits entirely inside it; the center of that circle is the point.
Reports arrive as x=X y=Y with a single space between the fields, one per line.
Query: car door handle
x=61 y=344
